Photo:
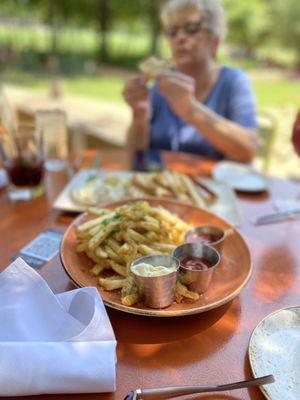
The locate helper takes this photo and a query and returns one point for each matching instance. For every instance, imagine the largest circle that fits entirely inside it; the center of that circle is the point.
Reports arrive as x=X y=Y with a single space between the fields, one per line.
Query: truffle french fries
x=166 y=184
x=114 y=239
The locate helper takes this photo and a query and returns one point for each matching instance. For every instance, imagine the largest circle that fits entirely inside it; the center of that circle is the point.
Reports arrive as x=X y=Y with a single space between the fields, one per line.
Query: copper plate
x=229 y=279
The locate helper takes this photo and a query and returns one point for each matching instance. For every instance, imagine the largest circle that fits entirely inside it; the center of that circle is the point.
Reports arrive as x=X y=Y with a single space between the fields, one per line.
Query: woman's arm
x=137 y=96
x=230 y=138
x=138 y=134
x=233 y=140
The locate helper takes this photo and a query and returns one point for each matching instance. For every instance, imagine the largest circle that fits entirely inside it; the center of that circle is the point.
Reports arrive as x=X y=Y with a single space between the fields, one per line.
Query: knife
x=277 y=216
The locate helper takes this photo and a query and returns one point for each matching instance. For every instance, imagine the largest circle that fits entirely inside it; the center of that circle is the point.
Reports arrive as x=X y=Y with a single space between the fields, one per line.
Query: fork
x=175 y=391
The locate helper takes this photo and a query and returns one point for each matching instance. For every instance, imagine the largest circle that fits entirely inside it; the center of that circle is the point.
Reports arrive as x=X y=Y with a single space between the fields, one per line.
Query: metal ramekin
x=197 y=280
x=219 y=233
x=157 y=291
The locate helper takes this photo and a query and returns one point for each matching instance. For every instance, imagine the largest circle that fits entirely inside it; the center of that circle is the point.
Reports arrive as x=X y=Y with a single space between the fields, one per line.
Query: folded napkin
x=52 y=343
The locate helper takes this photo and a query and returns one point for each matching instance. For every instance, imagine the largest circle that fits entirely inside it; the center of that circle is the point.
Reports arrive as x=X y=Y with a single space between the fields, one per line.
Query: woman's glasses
x=190 y=29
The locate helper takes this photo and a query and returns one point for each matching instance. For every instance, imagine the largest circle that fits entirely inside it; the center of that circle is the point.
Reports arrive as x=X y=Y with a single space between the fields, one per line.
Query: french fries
x=114 y=239
x=165 y=184
x=182 y=291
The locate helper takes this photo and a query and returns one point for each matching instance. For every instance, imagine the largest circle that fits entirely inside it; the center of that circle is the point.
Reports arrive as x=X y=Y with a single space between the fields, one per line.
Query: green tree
x=104 y=15
x=249 y=23
x=286 y=25
x=151 y=9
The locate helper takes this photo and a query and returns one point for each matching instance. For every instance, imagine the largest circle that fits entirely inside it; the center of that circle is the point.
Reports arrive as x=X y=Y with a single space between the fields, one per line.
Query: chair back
x=267 y=126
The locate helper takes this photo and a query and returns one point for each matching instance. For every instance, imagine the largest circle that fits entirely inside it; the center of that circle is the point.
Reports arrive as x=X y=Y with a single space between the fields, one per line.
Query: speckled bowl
x=274 y=348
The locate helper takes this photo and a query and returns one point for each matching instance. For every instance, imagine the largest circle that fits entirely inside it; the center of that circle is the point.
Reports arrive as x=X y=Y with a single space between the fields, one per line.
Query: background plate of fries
x=90 y=187
x=98 y=247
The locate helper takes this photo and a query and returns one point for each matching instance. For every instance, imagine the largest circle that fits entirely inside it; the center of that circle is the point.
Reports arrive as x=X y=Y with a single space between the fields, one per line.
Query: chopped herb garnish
x=107 y=221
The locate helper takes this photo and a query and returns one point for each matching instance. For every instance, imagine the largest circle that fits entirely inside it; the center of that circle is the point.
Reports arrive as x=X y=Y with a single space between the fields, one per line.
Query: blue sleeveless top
x=231 y=97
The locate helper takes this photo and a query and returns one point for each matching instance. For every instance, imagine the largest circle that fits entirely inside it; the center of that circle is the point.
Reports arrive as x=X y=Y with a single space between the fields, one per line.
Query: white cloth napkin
x=52 y=343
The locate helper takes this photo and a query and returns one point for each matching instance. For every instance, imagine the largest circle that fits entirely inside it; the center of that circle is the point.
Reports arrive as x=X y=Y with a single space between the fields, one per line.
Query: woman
x=199 y=107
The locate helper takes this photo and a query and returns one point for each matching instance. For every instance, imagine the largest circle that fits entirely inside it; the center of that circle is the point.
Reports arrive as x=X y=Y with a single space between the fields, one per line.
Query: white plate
x=3 y=178
x=274 y=348
x=240 y=176
x=101 y=188
x=72 y=200
x=287 y=204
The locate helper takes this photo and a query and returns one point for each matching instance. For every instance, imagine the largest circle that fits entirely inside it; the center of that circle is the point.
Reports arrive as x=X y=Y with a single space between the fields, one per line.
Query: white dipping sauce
x=144 y=269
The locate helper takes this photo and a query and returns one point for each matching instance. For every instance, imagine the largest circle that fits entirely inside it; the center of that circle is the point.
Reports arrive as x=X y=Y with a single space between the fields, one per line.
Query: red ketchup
x=201 y=238
x=195 y=263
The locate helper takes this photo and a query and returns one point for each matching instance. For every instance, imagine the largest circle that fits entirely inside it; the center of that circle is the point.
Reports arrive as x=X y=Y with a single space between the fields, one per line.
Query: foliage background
x=92 y=44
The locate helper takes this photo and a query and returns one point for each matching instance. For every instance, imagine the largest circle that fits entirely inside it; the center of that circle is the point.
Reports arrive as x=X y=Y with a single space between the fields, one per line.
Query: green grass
x=273 y=92
x=104 y=88
x=274 y=89
x=126 y=48
x=279 y=93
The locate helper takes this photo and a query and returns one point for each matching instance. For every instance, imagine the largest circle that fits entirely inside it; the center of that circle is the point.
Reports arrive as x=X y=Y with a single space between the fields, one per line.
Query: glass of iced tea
x=22 y=153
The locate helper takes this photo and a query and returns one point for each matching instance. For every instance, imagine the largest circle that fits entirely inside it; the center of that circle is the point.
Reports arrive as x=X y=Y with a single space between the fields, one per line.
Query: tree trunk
x=104 y=17
x=155 y=26
x=53 y=59
x=54 y=39
x=54 y=30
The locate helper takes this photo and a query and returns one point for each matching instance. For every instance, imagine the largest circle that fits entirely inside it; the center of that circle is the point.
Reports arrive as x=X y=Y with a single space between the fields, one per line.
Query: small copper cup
x=197 y=280
x=157 y=291
x=213 y=236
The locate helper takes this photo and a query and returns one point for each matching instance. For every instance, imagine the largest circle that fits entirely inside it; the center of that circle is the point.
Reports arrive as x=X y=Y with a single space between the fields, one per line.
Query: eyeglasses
x=190 y=29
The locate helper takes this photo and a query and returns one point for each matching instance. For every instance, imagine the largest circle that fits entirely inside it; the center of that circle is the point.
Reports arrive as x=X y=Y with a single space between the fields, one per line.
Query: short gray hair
x=212 y=10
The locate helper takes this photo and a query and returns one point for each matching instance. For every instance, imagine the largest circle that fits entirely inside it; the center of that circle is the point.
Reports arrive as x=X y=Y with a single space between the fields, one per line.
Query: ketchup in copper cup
x=211 y=235
x=198 y=262
x=195 y=264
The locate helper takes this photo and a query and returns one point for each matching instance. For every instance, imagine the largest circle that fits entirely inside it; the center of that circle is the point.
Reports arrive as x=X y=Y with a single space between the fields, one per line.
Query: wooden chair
x=267 y=127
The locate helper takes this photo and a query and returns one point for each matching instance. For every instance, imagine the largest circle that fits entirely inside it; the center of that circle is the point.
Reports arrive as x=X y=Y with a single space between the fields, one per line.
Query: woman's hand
x=179 y=91
x=136 y=95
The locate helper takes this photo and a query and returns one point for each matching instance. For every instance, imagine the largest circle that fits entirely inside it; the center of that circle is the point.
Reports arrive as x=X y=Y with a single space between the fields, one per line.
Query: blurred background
x=77 y=54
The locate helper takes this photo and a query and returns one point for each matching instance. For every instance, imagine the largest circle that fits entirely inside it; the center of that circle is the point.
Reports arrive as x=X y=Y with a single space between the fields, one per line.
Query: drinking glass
x=22 y=153
x=53 y=125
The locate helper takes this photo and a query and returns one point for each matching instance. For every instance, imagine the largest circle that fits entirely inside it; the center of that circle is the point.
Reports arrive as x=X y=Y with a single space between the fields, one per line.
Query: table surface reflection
x=208 y=348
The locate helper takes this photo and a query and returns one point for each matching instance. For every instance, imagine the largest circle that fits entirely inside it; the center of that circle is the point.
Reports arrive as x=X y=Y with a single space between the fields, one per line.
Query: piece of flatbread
x=152 y=67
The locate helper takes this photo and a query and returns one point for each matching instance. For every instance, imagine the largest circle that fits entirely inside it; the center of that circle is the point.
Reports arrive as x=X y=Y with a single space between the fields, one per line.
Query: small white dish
x=274 y=348
x=99 y=189
x=76 y=197
x=240 y=177
x=3 y=178
x=287 y=204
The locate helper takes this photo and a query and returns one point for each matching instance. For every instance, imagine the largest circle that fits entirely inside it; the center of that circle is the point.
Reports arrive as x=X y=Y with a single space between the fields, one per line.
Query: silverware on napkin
x=277 y=217
x=175 y=391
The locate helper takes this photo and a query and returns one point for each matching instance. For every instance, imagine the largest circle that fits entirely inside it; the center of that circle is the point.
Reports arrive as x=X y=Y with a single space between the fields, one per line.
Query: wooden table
x=89 y=121
x=207 y=348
